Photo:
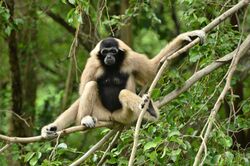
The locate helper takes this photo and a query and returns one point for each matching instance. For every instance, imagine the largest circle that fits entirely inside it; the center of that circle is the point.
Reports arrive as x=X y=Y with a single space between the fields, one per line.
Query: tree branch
x=60 y=21
x=96 y=146
x=70 y=29
x=4 y=147
x=103 y=159
x=62 y=133
x=194 y=78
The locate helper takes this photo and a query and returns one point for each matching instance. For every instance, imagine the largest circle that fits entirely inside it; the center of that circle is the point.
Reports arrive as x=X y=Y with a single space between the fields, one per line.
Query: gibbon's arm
x=145 y=69
x=176 y=44
x=88 y=72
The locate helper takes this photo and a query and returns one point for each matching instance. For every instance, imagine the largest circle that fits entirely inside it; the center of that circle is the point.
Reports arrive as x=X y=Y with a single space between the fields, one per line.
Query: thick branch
x=194 y=78
x=61 y=133
x=86 y=44
x=60 y=21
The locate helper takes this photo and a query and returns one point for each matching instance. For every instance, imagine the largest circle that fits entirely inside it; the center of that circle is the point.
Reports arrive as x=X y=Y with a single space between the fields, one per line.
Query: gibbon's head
x=110 y=51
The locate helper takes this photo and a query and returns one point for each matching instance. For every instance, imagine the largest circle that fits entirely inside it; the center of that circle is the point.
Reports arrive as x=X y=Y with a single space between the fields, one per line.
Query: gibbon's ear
x=122 y=46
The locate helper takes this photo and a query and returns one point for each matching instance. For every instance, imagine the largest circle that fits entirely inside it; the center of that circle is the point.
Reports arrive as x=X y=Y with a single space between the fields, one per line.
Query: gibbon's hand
x=189 y=36
x=49 y=130
x=88 y=121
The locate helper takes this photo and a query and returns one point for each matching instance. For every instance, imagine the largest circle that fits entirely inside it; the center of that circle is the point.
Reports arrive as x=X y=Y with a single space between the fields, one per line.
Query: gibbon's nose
x=109 y=60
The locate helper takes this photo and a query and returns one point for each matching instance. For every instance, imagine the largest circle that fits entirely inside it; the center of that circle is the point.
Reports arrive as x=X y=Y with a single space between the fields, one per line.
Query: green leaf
x=228 y=141
x=150 y=145
x=174 y=153
x=153 y=144
x=79 y=19
x=8 y=30
x=64 y=1
x=33 y=161
x=62 y=146
x=28 y=156
x=195 y=58
x=229 y=156
x=72 y=1
x=153 y=156
x=39 y=155
x=173 y=133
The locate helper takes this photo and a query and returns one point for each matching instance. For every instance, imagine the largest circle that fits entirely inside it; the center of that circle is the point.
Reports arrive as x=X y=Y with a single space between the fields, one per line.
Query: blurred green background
x=38 y=79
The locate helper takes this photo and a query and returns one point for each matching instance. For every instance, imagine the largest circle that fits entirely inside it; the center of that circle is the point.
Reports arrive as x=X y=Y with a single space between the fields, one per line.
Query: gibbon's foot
x=88 y=121
x=49 y=130
x=145 y=99
x=189 y=36
x=150 y=109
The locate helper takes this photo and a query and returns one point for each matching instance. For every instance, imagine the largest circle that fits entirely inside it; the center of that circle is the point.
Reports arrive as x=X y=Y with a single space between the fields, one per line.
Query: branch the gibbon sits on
x=108 y=84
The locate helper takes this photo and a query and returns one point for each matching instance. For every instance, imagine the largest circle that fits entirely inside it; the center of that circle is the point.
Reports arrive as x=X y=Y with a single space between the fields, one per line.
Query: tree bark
x=16 y=84
x=126 y=31
x=28 y=37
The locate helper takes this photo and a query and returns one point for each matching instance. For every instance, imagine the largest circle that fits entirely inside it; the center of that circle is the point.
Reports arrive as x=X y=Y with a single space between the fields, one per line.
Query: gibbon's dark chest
x=109 y=85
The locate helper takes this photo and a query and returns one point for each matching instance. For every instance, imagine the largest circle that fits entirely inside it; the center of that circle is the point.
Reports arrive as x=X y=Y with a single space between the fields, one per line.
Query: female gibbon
x=108 y=83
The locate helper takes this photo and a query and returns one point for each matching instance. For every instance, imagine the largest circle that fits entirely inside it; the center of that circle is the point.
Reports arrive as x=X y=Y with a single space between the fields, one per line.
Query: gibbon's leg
x=64 y=120
x=86 y=106
x=131 y=102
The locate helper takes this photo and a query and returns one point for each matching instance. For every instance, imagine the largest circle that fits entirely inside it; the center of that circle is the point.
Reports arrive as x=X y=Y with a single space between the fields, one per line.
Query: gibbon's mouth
x=109 y=61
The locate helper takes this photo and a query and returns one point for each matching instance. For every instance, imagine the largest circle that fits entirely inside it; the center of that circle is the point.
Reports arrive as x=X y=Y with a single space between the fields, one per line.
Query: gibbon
x=108 y=84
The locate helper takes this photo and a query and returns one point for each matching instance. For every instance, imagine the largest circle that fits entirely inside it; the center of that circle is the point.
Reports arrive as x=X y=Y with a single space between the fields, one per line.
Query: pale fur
x=140 y=69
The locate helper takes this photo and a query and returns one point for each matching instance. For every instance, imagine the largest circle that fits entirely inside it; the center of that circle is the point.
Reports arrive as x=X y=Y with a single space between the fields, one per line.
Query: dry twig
x=96 y=146
x=116 y=137
x=4 y=147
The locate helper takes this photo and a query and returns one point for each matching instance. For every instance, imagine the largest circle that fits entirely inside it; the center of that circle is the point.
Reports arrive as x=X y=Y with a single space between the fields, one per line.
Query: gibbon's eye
x=114 y=50
x=104 y=51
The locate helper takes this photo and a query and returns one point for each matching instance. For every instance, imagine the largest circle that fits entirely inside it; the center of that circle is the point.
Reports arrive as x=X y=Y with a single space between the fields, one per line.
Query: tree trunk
x=28 y=38
x=16 y=85
x=126 y=31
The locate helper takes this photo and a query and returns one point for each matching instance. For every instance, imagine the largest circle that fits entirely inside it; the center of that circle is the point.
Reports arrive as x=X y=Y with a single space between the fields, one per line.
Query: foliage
x=174 y=140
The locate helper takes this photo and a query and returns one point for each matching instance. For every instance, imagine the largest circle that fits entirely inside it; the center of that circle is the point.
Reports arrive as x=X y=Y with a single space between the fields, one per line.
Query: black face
x=110 y=54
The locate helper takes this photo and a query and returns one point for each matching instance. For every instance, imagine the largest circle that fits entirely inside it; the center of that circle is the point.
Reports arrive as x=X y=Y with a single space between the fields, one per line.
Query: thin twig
x=4 y=147
x=53 y=153
x=22 y=119
x=72 y=56
x=116 y=137
x=95 y=147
